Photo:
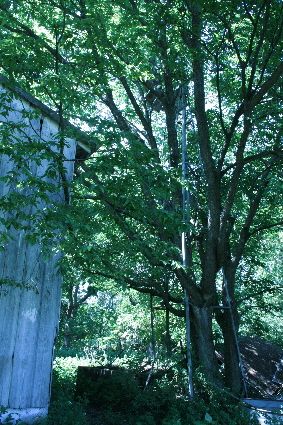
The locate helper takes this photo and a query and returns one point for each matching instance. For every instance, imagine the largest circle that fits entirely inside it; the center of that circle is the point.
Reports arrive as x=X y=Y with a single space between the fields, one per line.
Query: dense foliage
x=122 y=401
x=144 y=79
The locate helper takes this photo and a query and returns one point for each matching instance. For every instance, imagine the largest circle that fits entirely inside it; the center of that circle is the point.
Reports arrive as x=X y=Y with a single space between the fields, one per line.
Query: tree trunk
x=233 y=377
x=203 y=344
x=229 y=323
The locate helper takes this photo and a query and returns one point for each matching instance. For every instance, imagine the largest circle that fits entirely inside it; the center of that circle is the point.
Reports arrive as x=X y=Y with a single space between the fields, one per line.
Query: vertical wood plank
x=28 y=317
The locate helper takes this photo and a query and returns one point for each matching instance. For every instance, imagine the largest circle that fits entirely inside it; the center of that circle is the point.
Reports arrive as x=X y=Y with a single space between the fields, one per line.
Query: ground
x=263 y=363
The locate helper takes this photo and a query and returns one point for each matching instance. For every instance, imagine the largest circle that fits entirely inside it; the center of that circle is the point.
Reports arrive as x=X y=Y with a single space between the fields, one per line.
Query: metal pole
x=185 y=260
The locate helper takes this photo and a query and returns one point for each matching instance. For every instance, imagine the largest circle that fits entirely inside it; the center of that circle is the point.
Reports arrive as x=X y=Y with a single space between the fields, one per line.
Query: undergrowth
x=121 y=401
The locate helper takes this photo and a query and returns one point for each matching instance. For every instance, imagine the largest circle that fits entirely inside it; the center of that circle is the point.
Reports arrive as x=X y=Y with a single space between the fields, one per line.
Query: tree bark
x=203 y=345
x=228 y=320
x=233 y=377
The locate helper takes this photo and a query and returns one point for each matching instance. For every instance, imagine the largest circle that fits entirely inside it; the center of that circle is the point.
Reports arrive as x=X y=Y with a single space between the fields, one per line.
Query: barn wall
x=29 y=306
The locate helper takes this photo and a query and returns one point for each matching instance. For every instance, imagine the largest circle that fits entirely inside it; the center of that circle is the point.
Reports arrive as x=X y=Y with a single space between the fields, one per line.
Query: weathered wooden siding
x=28 y=317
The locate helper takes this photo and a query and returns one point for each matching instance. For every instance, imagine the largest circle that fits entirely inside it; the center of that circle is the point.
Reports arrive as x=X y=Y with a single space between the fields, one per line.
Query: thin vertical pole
x=167 y=322
x=152 y=346
x=153 y=340
x=185 y=259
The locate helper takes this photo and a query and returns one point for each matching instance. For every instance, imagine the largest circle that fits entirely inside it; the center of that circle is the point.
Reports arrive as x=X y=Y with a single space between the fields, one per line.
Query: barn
x=34 y=179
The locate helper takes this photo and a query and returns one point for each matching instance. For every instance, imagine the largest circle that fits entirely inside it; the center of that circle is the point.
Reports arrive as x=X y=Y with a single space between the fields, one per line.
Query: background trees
x=124 y=71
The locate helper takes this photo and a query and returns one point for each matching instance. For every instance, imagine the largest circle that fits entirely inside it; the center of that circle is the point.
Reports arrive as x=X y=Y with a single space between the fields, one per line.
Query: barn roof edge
x=84 y=150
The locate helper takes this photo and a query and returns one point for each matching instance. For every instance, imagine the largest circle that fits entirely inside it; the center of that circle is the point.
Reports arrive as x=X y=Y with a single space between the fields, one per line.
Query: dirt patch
x=263 y=363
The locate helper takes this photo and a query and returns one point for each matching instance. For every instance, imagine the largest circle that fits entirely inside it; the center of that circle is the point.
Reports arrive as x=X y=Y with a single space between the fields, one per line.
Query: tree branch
x=251 y=158
x=265 y=227
x=254 y=205
x=24 y=29
x=261 y=292
x=254 y=62
x=140 y=114
x=266 y=86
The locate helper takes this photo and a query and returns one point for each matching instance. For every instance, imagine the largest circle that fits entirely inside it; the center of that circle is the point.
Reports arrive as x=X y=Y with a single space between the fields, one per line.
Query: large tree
x=124 y=70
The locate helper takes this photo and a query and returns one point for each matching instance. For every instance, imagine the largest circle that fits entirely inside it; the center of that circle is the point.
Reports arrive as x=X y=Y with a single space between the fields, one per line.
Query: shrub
x=119 y=400
x=64 y=410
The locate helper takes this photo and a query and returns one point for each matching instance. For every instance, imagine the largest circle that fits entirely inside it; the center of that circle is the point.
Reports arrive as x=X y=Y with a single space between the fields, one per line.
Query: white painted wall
x=28 y=317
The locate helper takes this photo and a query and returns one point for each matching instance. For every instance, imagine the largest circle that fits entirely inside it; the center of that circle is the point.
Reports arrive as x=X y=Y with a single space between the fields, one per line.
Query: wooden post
x=30 y=304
